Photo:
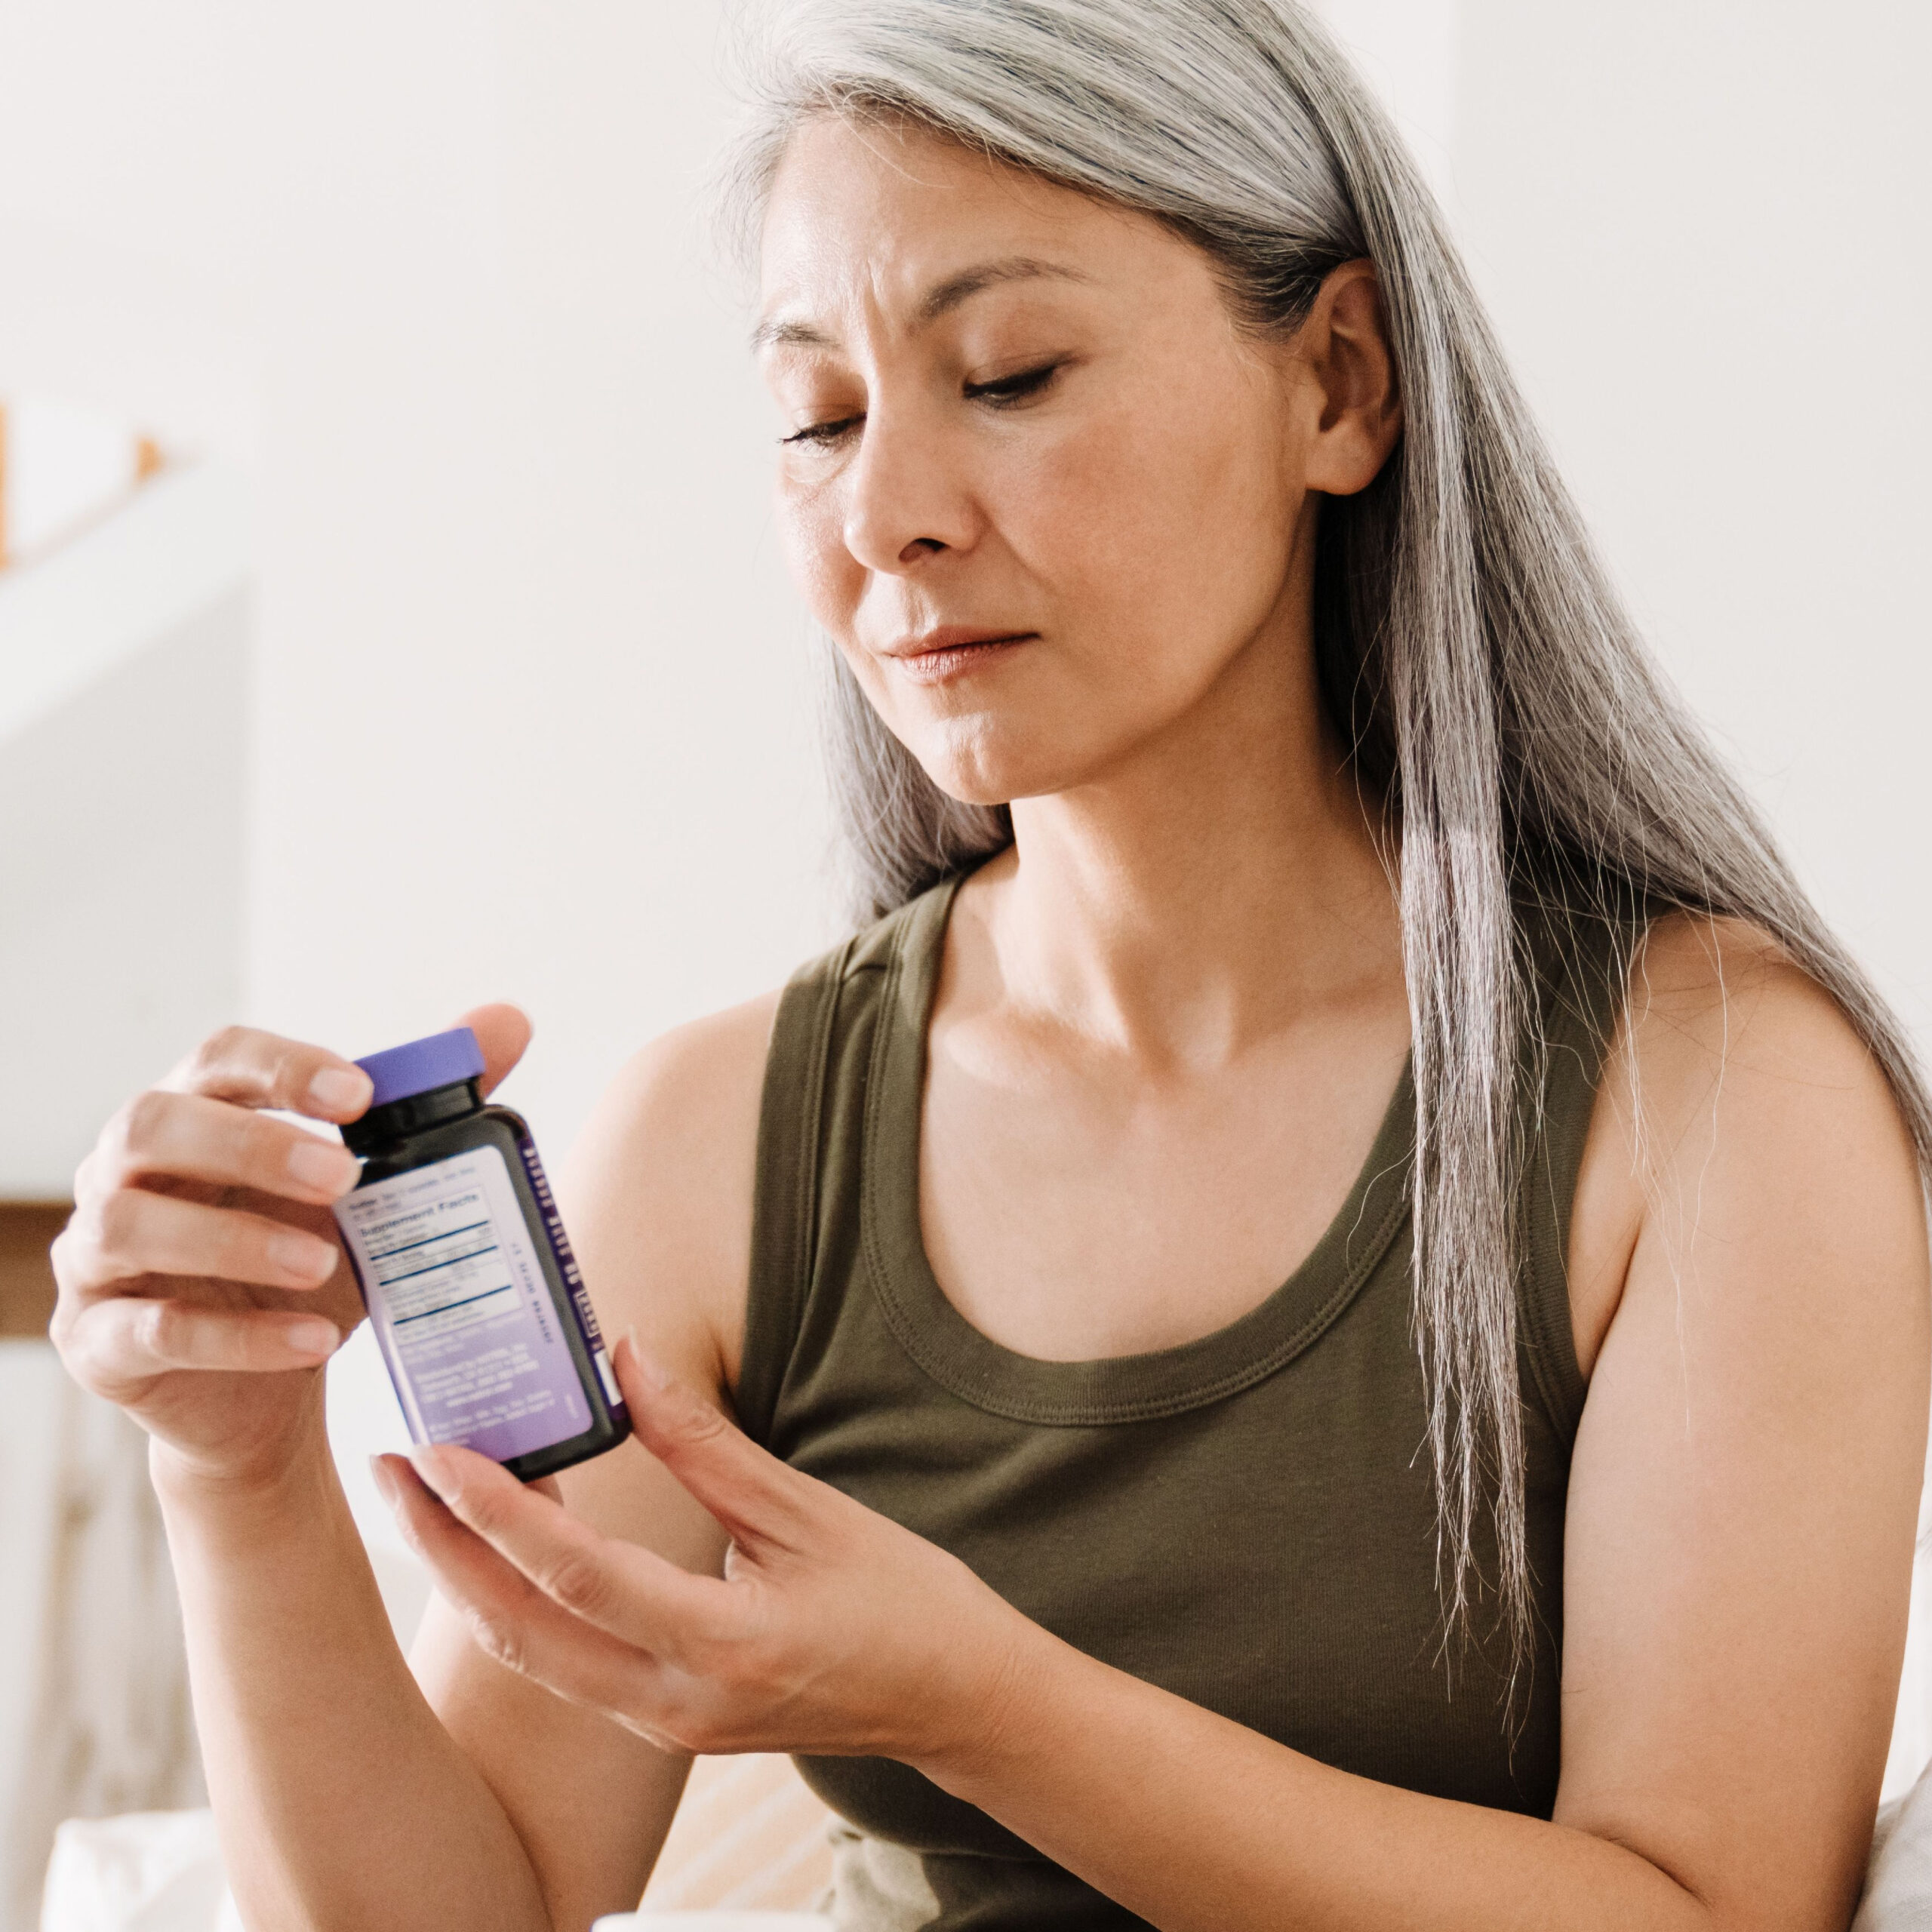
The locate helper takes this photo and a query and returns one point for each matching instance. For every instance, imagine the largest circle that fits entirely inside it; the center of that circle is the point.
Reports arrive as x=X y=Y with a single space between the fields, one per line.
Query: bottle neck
x=398 y=1119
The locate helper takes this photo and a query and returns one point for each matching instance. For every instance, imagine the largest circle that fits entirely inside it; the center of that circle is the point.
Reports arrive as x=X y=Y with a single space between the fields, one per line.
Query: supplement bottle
x=468 y=1276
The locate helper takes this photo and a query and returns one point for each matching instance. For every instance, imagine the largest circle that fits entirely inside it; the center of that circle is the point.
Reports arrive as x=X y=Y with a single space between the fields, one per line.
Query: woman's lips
x=940 y=657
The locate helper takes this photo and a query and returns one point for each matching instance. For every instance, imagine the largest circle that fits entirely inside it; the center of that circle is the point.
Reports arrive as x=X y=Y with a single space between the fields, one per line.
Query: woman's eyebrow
x=955 y=288
x=942 y=296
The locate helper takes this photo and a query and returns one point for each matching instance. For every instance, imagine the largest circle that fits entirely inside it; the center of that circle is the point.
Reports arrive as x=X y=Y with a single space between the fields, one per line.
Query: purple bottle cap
x=441 y=1060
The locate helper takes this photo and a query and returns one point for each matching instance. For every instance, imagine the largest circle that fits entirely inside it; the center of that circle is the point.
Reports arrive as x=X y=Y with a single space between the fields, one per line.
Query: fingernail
x=340 y=1090
x=379 y=1474
x=302 y=1255
x=321 y=1165
x=312 y=1336
x=653 y=1370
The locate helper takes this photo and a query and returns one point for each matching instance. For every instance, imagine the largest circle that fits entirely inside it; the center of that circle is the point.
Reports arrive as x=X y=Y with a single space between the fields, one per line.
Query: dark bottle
x=466 y=1271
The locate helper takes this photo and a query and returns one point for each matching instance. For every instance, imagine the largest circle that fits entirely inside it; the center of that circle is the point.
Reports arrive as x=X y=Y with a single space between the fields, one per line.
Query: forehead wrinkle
x=939 y=300
x=957 y=288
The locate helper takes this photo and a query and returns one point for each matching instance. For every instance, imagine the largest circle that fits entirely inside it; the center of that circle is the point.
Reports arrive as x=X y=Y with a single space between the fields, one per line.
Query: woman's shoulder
x=1718 y=1014
x=660 y=1188
x=1736 y=1094
x=658 y=1192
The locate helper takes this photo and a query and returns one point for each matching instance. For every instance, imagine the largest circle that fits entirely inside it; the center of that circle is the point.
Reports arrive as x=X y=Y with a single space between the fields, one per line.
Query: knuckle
x=64 y=1253
x=224 y=1043
x=115 y=1226
x=159 y=1330
x=220 y=1050
x=60 y=1330
x=70 y=1343
x=88 y=1178
x=500 y=1641
x=288 y=1065
x=579 y=1582
x=111 y=1155
x=141 y=1127
x=697 y=1424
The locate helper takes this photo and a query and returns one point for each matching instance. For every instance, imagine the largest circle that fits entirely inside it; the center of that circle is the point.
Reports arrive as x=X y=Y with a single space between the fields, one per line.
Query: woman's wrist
x=259 y=1484
x=999 y=1690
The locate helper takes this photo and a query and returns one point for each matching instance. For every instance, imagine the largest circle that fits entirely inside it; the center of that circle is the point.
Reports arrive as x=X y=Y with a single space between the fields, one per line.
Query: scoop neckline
x=1110 y=1389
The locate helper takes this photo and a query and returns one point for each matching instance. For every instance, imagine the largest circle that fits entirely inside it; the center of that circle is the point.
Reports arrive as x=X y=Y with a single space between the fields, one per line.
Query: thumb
x=749 y=1491
x=504 y=1033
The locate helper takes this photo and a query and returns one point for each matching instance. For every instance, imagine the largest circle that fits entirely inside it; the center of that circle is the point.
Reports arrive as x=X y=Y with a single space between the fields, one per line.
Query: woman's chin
x=999 y=782
x=962 y=793
x=986 y=768
x=968 y=776
x=976 y=784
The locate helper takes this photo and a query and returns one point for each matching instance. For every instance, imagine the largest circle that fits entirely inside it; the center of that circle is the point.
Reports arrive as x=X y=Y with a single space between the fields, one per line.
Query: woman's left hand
x=833 y=1630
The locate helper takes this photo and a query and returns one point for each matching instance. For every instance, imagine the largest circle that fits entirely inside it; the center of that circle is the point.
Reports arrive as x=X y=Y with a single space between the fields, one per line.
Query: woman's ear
x=1342 y=348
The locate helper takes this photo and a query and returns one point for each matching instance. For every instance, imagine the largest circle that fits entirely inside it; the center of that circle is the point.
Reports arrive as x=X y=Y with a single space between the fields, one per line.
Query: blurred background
x=390 y=617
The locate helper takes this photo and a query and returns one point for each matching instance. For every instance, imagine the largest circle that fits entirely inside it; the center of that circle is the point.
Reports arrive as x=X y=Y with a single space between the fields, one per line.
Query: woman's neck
x=1216 y=888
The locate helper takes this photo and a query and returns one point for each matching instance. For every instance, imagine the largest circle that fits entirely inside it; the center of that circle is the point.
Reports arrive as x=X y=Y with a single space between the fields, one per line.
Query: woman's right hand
x=202 y=1283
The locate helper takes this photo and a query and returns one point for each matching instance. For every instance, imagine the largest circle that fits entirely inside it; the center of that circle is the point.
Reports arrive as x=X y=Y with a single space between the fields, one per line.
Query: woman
x=1326 y=1323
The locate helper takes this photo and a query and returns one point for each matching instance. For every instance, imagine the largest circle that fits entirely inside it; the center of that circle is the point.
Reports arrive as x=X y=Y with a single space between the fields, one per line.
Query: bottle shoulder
x=483 y=1127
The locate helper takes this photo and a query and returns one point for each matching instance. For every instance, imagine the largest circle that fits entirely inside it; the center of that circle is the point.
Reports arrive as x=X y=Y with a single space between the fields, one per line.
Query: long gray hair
x=1473 y=655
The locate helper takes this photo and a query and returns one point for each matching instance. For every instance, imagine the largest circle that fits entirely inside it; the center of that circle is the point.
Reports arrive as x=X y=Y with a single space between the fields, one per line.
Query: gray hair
x=1472 y=652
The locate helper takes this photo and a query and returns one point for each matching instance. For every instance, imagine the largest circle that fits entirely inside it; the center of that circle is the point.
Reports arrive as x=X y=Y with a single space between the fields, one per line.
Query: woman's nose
x=906 y=501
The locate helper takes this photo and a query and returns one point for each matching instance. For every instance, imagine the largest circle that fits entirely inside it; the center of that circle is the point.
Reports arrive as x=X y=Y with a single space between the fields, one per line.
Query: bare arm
x=342 y=1801
x=348 y=1797
x=1740 y=1541
x=658 y=1198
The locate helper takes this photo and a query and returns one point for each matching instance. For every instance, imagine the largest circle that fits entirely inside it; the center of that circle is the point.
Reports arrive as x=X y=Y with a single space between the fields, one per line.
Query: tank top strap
x=817 y=1072
x=1579 y=969
x=785 y=1196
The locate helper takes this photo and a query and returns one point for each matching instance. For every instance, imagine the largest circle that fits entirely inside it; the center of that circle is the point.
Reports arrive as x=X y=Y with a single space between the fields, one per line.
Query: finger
x=504 y=1033
x=192 y=1136
x=252 y=1068
x=109 y=1345
x=756 y=1497
x=512 y=1620
x=132 y=1233
x=632 y=1592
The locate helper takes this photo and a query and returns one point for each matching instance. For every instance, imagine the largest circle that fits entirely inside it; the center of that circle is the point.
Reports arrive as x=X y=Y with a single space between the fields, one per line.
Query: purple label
x=560 y=1246
x=457 y=1297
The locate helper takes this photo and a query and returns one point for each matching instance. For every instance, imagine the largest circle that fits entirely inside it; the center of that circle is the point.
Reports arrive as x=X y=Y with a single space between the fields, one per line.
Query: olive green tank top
x=1247 y=1520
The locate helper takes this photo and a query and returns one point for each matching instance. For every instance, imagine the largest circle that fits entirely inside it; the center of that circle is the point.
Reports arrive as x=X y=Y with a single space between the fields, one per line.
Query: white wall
x=120 y=889
x=124 y=679
x=530 y=718
x=532 y=721
x=1409 y=52
x=1703 y=227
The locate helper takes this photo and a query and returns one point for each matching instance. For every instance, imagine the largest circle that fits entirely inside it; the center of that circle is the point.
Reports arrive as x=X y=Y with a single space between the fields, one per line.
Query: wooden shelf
x=27 y=1276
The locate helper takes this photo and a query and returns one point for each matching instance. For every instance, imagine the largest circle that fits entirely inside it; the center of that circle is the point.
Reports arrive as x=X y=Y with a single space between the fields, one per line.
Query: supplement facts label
x=456 y=1291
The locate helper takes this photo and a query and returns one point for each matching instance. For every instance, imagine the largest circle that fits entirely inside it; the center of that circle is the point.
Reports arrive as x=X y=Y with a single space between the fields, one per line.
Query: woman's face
x=1034 y=481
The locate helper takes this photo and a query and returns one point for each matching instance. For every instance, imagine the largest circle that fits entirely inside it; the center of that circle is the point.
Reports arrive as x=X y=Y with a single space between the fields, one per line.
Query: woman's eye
x=1014 y=388
x=1002 y=389
x=823 y=435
